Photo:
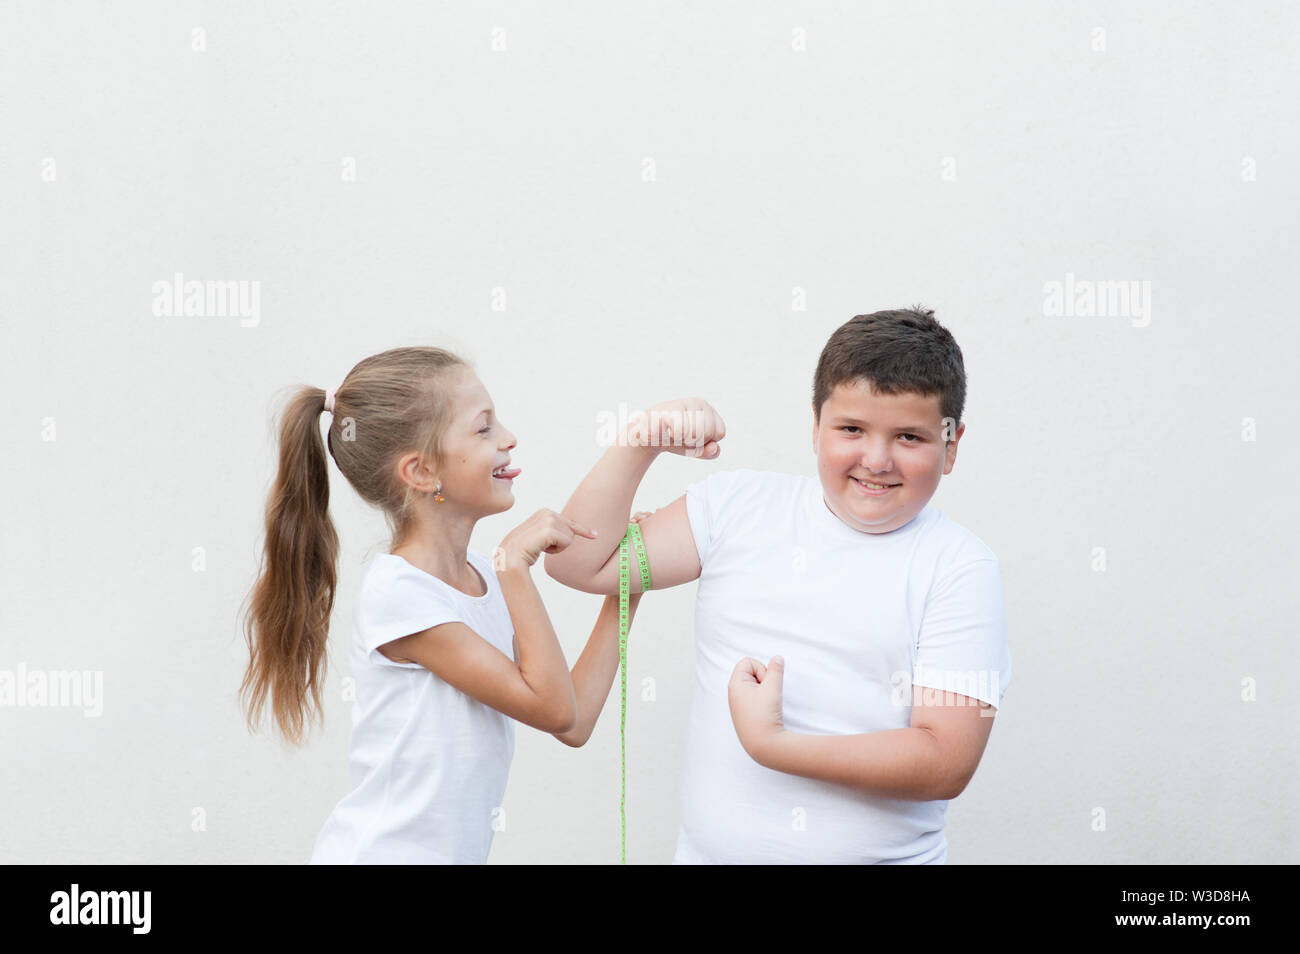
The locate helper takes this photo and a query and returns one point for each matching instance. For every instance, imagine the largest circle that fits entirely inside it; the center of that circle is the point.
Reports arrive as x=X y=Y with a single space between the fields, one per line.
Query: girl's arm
x=535 y=688
x=594 y=673
x=538 y=656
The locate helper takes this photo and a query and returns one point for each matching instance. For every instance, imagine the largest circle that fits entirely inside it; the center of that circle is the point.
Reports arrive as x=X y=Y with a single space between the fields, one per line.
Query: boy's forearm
x=896 y=763
x=603 y=501
x=594 y=672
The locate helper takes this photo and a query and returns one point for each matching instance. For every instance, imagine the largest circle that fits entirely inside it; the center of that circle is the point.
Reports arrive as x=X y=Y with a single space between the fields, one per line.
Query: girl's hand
x=754 y=694
x=687 y=426
x=544 y=532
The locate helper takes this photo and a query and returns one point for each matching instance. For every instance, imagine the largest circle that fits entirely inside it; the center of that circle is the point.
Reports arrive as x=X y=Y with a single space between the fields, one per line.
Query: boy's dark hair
x=899 y=351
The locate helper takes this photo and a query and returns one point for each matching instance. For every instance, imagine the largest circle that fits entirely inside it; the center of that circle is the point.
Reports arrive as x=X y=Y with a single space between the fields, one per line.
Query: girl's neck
x=442 y=552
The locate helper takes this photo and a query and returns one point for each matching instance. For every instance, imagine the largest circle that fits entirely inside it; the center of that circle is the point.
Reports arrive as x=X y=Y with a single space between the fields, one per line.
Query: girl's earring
x=438 y=493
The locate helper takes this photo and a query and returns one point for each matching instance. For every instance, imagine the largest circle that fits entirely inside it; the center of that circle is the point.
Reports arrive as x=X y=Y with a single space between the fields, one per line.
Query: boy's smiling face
x=863 y=435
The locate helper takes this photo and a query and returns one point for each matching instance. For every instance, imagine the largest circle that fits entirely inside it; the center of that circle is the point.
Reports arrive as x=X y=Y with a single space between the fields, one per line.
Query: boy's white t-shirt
x=859 y=618
x=428 y=763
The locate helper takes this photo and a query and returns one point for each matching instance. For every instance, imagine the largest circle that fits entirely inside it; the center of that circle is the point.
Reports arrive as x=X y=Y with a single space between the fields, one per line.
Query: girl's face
x=475 y=445
x=895 y=440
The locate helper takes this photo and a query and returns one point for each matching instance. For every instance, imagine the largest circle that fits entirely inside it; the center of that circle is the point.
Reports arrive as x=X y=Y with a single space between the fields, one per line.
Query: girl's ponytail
x=287 y=623
x=390 y=404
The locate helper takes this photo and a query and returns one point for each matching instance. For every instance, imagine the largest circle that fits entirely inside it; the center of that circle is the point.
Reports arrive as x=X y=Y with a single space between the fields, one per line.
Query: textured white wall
x=960 y=155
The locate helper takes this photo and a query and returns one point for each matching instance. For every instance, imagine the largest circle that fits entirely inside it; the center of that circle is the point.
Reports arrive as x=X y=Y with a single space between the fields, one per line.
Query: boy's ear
x=950 y=452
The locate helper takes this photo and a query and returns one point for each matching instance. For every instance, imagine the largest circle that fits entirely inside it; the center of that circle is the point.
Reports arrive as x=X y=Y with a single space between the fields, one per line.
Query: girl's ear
x=415 y=474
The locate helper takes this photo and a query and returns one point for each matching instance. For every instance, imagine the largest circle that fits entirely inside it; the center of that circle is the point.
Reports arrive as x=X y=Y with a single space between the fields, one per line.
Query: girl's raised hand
x=544 y=532
x=687 y=426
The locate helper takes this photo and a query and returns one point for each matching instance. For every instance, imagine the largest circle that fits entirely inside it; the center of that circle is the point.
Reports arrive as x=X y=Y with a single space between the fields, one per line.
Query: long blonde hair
x=390 y=404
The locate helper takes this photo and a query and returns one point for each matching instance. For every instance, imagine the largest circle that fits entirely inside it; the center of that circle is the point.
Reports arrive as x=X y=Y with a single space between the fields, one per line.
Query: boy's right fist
x=687 y=426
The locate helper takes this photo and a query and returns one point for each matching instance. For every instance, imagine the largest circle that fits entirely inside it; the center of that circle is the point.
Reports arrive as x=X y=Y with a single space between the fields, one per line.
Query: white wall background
x=127 y=156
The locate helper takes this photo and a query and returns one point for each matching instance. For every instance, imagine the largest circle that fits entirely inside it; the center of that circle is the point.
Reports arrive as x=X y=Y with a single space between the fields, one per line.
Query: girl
x=448 y=646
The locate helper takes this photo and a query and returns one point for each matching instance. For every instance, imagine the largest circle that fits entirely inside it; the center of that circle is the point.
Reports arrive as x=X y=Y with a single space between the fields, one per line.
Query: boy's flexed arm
x=932 y=759
x=690 y=427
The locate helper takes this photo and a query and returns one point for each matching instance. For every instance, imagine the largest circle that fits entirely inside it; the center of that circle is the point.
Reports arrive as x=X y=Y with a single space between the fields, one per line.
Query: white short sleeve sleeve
x=962 y=646
x=397 y=606
x=705 y=505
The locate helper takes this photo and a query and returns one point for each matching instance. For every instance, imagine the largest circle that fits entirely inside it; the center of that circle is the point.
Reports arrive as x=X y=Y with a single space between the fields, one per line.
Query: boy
x=865 y=600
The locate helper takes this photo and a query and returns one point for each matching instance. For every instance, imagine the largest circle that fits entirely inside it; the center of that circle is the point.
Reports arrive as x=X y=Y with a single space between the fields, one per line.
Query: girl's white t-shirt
x=859 y=618
x=428 y=763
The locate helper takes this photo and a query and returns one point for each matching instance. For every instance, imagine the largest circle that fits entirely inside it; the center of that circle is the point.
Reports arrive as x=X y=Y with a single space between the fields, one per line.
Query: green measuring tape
x=633 y=536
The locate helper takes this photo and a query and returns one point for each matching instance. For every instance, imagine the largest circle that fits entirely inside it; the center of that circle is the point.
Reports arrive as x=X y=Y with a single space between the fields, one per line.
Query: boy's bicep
x=670 y=550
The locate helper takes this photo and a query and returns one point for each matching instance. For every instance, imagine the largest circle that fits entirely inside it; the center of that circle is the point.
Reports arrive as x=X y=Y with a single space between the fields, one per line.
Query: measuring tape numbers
x=632 y=538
